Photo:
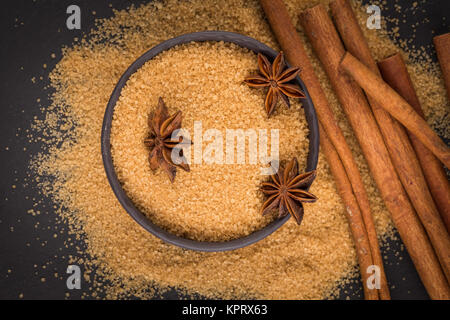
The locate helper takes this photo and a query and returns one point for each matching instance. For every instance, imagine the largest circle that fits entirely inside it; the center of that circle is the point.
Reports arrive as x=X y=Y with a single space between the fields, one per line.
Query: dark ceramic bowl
x=128 y=205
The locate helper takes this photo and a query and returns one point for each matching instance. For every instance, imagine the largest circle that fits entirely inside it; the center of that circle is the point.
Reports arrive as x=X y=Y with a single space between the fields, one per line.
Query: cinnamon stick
x=397 y=141
x=293 y=47
x=352 y=211
x=442 y=45
x=394 y=72
x=392 y=102
x=330 y=50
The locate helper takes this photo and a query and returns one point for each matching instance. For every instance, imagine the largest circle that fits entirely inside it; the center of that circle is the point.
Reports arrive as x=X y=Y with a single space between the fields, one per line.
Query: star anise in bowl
x=277 y=78
x=287 y=191
x=162 y=144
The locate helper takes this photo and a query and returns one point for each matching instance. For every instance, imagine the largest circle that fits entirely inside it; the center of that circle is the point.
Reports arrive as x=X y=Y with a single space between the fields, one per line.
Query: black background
x=30 y=32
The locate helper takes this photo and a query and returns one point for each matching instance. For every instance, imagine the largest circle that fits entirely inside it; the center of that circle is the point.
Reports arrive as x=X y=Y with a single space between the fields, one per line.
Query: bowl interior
x=128 y=205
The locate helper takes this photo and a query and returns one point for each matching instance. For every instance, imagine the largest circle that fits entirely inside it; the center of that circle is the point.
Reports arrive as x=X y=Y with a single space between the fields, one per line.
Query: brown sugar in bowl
x=136 y=214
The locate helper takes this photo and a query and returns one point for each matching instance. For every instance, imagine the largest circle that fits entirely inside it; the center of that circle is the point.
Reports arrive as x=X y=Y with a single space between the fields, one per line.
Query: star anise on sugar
x=287 y=191
x=162 y=144
x=277 y=78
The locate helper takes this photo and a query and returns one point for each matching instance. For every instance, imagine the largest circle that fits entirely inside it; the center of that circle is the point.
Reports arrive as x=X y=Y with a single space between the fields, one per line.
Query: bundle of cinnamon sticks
x=402 y=151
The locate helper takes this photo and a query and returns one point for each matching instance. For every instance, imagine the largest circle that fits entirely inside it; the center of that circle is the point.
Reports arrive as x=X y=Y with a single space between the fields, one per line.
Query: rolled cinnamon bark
x=352 y=211
x=394 y=72
x=325 y=40
x=397 y=141
x=293 y=47
x=393 y=103
x=442 y=45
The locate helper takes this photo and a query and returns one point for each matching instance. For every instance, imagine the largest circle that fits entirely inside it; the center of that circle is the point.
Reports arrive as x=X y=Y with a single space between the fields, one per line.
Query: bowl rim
x=207 y=246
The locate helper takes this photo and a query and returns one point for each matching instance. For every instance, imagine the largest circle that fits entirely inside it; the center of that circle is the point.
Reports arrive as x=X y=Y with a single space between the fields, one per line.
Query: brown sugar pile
x=307 y=262
x=212 y=202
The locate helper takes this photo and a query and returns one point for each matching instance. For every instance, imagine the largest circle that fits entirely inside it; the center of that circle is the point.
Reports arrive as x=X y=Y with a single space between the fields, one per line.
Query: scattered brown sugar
x=212 y=202
x=307 y=262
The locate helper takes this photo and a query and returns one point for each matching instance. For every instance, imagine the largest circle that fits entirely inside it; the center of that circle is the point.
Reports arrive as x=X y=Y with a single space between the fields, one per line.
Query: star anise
x=277 y=78
x=287 y=191
x=160 y=141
